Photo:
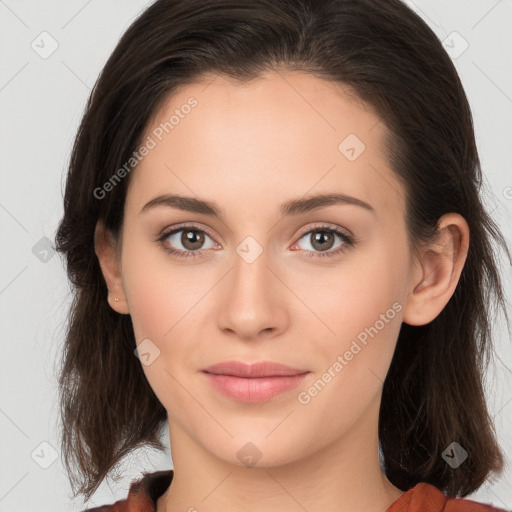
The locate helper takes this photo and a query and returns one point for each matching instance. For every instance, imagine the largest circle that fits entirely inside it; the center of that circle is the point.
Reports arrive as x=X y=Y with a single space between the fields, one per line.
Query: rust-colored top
x=423 y=497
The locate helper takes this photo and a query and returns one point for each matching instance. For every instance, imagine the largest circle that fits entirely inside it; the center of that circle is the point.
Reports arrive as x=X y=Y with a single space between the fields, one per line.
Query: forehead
x=282 y=135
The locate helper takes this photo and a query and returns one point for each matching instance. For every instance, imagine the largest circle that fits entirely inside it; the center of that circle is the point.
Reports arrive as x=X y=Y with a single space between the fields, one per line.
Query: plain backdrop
x=51 y=55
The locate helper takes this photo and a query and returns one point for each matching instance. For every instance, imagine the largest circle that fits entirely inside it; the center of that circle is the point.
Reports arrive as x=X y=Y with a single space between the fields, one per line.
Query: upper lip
x=258 y=369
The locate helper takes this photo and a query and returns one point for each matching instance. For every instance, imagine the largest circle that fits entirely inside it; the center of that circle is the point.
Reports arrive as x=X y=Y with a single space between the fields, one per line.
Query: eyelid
x=326 y=225
x=191 y=225
x=345 y=234
x=167 y=231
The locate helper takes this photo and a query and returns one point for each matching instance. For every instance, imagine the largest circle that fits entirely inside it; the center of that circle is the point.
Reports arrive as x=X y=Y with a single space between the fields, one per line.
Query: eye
x=185 y=241
x=322 y=239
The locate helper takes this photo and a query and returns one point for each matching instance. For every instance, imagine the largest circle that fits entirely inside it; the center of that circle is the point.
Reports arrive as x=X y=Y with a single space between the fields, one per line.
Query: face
x=275 y=276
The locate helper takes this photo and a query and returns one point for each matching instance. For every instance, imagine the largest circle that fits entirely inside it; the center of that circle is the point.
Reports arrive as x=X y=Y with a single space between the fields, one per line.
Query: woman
x=224 y=144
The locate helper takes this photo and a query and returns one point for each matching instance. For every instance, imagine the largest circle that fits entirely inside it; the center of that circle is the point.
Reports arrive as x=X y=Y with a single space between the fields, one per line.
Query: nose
x=252 y=301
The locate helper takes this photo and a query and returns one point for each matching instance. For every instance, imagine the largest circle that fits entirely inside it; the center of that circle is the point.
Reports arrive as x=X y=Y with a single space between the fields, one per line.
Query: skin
x=251 y=148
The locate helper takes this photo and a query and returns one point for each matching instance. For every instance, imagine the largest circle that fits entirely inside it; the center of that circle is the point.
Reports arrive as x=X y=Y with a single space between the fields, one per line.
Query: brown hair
x=433 y=393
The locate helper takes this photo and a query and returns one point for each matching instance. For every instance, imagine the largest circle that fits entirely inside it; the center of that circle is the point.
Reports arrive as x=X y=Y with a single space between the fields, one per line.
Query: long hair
x=389 y=57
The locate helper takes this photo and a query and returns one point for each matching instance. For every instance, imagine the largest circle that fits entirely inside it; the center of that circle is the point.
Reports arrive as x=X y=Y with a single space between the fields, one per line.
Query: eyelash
x=348 y=241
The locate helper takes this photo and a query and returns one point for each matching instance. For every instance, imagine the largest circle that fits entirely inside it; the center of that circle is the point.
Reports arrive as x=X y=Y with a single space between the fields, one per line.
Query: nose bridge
x=251 y=302
x=250 y=276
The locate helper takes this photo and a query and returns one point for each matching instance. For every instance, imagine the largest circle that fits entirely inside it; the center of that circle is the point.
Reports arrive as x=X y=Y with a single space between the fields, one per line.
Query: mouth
x=254 y=370
x=257 y=382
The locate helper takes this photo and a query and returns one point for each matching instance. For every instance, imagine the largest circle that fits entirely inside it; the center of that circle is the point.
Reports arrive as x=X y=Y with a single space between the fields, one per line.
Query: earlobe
x=105 y=248
x=437 y=271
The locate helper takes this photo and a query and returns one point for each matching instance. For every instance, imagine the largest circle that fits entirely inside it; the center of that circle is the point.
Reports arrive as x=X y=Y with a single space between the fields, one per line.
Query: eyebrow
x=292 y=207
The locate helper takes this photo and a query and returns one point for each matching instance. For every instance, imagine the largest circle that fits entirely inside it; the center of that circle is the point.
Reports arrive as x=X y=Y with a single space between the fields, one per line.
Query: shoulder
x=424 y=497
x=143 y=494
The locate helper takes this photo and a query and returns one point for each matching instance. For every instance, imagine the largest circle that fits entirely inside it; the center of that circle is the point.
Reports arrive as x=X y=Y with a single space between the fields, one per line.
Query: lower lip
x=253 y=389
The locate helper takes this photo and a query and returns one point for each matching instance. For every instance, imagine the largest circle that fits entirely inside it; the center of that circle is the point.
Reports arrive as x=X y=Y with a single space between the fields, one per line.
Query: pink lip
x=259 y=369
x=255 y=382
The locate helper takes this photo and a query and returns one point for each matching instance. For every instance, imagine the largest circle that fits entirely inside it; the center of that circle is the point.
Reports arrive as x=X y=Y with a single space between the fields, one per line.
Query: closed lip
x=253 y=370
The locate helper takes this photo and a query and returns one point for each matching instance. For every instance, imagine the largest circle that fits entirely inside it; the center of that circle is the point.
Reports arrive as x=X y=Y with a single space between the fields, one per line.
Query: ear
x=437 y=271
x=106 y=250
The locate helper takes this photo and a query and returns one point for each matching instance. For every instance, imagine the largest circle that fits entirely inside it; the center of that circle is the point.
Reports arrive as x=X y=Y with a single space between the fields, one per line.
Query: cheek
x=351 y=367
x=158 y=293
x=362 y=310
x=353 y=298
x=150 y=309
x=167 y=306
x=158 y=308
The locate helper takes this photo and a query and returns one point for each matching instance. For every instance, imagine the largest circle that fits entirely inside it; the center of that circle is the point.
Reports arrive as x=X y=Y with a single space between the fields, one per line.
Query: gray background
x=41 y=100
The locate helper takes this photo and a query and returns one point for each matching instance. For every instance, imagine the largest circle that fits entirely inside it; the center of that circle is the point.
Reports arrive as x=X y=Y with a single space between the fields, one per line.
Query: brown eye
x=322 y=240
x=186 y=241
x=192 y=239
